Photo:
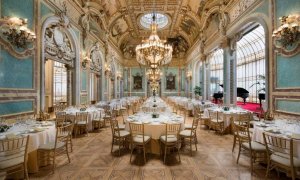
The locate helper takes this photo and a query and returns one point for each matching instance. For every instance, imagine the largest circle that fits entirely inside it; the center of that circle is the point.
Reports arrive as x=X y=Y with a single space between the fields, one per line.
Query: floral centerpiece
x=4 y=128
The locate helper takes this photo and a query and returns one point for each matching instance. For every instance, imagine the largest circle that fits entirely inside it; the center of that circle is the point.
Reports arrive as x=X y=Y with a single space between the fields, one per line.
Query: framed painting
x=170 y=82
x=137 y=82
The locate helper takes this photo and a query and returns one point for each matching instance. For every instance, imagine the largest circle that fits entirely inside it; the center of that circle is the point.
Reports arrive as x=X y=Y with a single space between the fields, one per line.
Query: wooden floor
x=92 y=159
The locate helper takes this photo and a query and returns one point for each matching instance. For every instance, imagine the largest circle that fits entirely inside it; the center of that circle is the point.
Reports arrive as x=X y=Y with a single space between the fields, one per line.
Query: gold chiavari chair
x=107 y=114
x=97 y=120
x=81 y=122
x=257 y=151
x=119 y=136
x=242 y=120
x=51 y=150
x=171 y=139
x=138 y=138
x=70 y=120
x=190 y=135
x=215 y=122
x=280 y=154
x=13 y=155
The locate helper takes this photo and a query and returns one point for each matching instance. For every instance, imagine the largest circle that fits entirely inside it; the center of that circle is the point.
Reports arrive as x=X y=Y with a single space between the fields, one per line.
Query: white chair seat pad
x=11 y=160
x=50 y=146
x=123 y=133
x=186 y=133
x=81 y=123
x=121 y=126
x=284 y=159
x=255 y=146
x=98 y=119
x=169 y=138
x=217 y=121
x=139 y=138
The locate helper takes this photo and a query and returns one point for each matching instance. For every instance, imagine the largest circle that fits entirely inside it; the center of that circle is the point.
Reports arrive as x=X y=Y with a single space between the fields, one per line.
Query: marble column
x=69 y=84
x=226 y=73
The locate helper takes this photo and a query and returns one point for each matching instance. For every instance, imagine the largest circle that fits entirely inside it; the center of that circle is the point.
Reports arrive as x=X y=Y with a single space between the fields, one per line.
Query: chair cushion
x=284 y=159
x=121 y=126
x=81 y=123
x=171 y=138
x=123 y=133
x=255 y=146
x=217 y=121
x=187 y=126
x=186 y=133
x=139 y=139
x=11 y=160
x=50 y=146
x=98 y=119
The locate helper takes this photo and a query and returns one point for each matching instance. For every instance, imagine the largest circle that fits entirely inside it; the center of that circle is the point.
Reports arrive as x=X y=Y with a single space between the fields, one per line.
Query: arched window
x=216 y=70
x=251 y=62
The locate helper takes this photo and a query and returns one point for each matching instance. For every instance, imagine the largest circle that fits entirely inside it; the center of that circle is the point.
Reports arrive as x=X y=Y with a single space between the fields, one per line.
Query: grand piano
x=241 y=92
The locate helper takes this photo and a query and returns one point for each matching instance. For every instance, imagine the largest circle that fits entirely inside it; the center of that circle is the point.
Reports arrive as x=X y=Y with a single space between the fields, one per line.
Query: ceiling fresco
x=121 y=19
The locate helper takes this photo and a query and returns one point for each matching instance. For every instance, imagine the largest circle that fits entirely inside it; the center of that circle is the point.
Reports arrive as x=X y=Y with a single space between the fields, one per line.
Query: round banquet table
x=39 y=133
x=154 y=127
x=281 y=128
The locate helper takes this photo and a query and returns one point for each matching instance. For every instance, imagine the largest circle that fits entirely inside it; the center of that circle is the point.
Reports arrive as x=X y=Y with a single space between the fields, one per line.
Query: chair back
x=213 y=115
x=242 y=132
x=81 y=116
x=114 y=127
x=63 y=133
x=172 y=129
x=136 y=129
x=278 y=144
x=59 y=121
x=243 y=119
x=70 y=118
x=60 y=114
x=13 y=149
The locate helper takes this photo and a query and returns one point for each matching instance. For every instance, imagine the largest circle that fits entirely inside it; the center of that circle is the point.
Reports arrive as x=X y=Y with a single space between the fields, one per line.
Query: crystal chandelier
x=153 y=75
x=154 y=52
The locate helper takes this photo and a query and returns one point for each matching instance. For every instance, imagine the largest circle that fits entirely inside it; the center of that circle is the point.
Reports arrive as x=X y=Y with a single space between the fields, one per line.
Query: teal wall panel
x=17 y=8
x=173 y=71
x=288 y=106
x=15 y=107
x=45 y=10
x=83 y=80
x=288 y=71
x=15 y=73
x=288 y=68
x=263 y=8
x=83 y=99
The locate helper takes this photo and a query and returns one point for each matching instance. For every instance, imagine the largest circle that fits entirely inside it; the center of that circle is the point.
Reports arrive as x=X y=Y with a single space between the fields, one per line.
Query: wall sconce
x=107 y=70
x=288 y=32
x=16 y=32
x=85 y=62
x=189 y=75
x=119 y=75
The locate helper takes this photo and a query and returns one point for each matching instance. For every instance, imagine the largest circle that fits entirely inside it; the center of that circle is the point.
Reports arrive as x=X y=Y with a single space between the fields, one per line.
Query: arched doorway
x=96 y=76
x=59 y=46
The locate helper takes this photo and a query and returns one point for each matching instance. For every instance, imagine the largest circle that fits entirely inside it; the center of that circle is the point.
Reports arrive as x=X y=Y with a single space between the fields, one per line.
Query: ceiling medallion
x=162 y=20
x=154 y=52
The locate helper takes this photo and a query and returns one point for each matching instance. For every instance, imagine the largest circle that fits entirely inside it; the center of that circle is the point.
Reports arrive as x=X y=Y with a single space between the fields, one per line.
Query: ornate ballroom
x=150 y=89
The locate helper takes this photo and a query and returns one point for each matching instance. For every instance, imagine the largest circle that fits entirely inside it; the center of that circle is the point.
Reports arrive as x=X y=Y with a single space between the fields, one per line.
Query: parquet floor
x=92 y=159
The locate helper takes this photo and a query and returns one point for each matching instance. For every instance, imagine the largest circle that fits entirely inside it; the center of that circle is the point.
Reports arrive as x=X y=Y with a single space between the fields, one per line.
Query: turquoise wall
x=288 y=68
x=83 y=80
x=288 y=106
x=16 y=107
x=45 y=10
x=15 y=73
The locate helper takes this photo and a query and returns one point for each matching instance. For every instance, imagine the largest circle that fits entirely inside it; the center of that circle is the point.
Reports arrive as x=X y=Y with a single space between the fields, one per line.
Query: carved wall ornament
x=58 y=45
x=96 y=58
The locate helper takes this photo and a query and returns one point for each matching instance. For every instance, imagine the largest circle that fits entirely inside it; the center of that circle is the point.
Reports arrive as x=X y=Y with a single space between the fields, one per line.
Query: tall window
x=216 y=70
x=60 y=83
x=251 y=62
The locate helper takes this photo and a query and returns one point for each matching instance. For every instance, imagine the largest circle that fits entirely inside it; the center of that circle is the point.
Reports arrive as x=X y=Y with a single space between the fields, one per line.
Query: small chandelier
x=288 y=33
x=154 y=75
x=16 y=32
x=154 y=52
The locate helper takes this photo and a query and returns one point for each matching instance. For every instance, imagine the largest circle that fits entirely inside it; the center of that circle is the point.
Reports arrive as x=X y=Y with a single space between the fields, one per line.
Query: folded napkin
x=11 y=136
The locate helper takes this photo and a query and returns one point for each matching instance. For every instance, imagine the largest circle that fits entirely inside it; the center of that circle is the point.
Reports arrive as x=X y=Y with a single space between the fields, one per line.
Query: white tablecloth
x=35 y=138
x=92 y=111
x=225 y=115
